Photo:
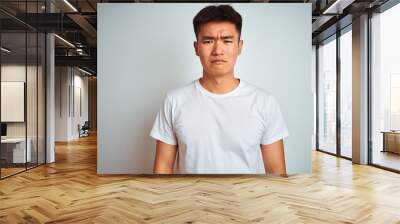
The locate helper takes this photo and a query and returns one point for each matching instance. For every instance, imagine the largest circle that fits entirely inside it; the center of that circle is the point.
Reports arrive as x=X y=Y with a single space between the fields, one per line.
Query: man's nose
x=218 y=48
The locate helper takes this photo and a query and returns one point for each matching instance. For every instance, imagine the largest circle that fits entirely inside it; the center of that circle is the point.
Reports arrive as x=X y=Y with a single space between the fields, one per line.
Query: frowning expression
x=218 y=47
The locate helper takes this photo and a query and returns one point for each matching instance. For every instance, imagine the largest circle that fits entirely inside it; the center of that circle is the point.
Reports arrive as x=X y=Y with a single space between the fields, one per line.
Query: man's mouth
x=218 y=61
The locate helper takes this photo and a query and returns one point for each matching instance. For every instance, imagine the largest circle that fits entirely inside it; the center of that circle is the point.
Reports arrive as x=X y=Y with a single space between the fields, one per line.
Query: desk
x=15 y=148
x=391 y=141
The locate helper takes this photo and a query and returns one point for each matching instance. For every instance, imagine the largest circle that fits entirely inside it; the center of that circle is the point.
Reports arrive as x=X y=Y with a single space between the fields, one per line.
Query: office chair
x=84 y=130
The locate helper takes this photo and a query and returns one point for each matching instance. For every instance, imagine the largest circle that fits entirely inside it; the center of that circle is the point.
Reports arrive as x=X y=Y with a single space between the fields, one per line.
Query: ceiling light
x=331 y=7
x=337 y=7
x=70 y=5
x=5 y=50
x=65 y=41
x=86 y=72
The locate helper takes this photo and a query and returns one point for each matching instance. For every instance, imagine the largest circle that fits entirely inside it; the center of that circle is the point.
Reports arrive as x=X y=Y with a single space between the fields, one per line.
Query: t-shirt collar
x=216 y=95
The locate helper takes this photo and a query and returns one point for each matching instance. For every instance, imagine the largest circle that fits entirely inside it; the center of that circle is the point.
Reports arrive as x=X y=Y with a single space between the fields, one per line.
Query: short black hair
x=217 y=13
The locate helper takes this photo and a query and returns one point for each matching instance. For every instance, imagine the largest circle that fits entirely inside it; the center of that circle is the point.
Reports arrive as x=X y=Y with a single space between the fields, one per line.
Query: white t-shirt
x=219 y=133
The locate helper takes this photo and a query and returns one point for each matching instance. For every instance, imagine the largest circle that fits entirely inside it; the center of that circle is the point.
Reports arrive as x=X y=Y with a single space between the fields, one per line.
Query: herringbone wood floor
x=70 y=191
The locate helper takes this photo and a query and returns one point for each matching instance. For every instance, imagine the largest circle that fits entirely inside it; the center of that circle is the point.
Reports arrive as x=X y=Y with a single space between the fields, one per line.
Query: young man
x=218 y=123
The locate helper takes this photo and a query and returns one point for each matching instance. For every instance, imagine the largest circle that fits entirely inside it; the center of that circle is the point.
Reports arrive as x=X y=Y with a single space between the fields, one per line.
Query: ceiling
x=76 y=22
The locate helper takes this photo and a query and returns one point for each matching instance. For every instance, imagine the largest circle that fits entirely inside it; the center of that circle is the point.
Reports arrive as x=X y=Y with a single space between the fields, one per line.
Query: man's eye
x=207 y=41
x=228 y=41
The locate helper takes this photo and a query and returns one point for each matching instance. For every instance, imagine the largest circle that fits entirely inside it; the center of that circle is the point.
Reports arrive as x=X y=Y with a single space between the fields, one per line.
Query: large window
x=327 y=96
x=333 y=137
x=346 y=93
x=385 y=88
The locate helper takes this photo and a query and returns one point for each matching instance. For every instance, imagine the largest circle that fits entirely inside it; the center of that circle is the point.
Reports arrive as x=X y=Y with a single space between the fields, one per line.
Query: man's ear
x=240 y=46
x=195 y=47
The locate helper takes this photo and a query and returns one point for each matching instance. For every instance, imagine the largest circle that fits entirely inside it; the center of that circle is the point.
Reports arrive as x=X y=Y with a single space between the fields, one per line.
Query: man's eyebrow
x=227 y=37
x=207 y=37
x=211 y=37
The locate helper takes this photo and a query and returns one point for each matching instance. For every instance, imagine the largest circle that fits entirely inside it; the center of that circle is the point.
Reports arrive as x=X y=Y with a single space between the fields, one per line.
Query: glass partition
x=32 y=95
x=13 y=94
x=41 y=111
x=22 y=77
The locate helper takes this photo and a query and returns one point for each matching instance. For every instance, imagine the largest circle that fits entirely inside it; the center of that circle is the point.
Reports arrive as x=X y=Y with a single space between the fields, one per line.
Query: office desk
x=391 y=141
x=13 y=150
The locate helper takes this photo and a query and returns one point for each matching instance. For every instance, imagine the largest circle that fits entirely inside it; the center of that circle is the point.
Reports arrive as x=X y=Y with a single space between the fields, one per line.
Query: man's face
x=218 y=47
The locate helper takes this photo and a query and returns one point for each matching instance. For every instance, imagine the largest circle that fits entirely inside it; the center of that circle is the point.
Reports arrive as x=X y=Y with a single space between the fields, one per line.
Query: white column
x=360 y=90
x=50 y=100
x=50 y=92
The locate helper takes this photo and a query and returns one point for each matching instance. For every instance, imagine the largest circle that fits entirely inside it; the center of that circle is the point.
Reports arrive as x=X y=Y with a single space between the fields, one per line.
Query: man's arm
x=274 y=158
x=165 y=158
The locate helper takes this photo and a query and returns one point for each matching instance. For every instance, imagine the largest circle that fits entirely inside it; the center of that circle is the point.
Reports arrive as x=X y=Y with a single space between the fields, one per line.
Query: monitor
x=3 y=129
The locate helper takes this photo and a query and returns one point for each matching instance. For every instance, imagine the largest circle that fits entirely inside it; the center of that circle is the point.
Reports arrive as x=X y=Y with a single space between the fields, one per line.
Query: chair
x=84 y=130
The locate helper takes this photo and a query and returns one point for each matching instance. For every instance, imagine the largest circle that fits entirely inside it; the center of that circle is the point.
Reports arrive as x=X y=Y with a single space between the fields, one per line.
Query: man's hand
x=165 y=158
x=274 y=158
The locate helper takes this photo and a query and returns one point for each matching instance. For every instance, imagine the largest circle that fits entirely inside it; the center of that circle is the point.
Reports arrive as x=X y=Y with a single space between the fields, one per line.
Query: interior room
x=83 y=83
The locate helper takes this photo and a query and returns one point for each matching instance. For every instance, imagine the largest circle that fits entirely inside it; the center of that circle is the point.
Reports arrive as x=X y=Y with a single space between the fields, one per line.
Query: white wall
x=61 y=103
x=79 y=117
x=68 y=82
x=151 y=52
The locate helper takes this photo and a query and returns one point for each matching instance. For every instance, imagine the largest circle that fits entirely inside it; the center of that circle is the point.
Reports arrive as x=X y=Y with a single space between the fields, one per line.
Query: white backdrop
x=146 y=49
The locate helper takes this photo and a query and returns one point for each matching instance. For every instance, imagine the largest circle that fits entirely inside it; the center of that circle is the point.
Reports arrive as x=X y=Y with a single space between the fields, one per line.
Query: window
x=385 y=88
x=327 y=96
x=346 y=93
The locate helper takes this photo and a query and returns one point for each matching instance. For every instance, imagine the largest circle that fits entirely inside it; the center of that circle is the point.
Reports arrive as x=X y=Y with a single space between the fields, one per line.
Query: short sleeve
x=275 y=128
x=163 y=126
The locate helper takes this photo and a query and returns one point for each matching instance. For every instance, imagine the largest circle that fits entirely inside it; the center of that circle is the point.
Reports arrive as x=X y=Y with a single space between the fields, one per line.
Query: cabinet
x=391 y=141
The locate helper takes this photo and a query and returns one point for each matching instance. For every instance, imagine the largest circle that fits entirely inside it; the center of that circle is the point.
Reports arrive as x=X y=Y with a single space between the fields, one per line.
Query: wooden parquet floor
x=70 y=191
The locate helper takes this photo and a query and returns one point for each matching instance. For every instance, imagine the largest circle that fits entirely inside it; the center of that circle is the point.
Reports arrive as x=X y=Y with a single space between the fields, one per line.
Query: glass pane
x=13 y=87
x=386 y=89
x=31 y=101
x=327 y=97
x=41 y=98
x=22 y=88
x=346 y=93
x=394 y=102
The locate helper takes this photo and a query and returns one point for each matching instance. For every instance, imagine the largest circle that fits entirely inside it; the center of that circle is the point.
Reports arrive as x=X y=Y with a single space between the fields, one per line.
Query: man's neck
x=219 y=85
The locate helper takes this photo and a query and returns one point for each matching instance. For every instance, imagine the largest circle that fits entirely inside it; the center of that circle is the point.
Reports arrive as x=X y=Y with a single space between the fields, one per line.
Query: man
x=218 y=123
